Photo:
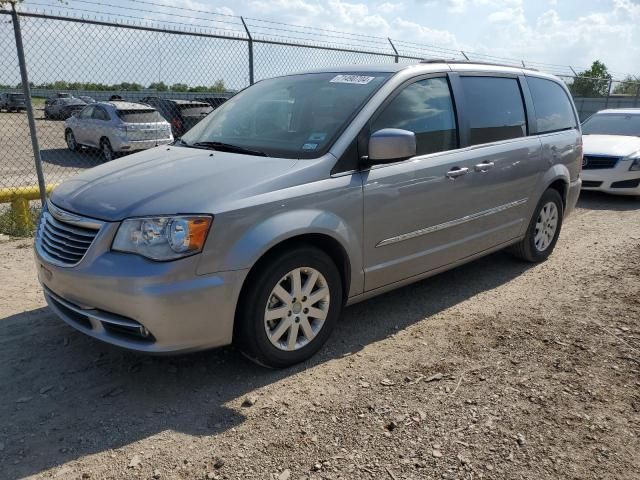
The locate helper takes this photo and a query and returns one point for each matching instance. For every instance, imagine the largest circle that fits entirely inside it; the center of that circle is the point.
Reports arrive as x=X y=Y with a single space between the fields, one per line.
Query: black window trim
x=525 y=96
x=363 y=137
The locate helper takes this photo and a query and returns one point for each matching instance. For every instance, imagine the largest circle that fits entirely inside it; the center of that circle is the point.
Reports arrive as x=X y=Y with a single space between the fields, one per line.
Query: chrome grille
x=64 y=238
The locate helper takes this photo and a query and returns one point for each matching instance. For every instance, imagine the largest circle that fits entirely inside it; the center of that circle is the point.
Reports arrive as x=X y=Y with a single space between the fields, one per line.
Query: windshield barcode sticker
x=355 y=79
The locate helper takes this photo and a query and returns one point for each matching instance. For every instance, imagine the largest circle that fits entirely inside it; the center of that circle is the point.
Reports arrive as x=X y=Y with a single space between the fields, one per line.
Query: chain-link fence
x=165 y=80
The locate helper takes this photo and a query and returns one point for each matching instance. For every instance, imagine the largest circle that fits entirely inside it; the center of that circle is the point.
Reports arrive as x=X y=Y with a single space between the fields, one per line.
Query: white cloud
x=390 y=7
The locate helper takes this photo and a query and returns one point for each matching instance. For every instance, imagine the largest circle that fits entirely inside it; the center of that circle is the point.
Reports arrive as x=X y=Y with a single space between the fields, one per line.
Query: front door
x=447 y=202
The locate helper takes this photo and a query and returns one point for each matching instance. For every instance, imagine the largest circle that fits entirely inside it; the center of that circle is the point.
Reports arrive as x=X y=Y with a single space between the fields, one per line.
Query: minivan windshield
x=612 y=124
x=297 y=116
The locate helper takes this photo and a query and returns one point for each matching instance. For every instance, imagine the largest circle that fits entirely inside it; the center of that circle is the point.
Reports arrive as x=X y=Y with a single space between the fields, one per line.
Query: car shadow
x=63 y=157
x=593 y=200
x=54 y=377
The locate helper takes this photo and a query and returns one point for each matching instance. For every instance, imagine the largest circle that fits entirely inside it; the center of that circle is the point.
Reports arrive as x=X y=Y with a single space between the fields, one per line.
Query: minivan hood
x=613 y=145
x=167 y=180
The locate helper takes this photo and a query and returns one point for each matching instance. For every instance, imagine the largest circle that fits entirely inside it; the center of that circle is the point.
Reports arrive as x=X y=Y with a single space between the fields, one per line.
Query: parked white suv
x=612 y=152
x=117 y=127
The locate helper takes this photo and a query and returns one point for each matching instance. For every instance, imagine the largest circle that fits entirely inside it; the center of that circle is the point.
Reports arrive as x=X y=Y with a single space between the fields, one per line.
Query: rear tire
x=106 y=151
x=543 y=231
x=279 y=332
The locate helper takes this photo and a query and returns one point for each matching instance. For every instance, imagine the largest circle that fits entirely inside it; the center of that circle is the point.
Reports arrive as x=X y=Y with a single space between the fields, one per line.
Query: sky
x=558 y=32
x=568 y=32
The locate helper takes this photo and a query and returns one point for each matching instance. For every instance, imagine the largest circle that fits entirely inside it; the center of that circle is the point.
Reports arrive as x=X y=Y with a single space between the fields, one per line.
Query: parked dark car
x=181 y=114
x=63 y=108
x=87 y=99
x=12 y=102
x=51 y=99
x=214 y=101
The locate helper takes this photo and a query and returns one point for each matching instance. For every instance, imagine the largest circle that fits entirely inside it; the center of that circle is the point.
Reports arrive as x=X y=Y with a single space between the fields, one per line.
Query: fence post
x=250 y=51
x=27 y=96
x=606 y=103
x=394 y=48
x=635 y=101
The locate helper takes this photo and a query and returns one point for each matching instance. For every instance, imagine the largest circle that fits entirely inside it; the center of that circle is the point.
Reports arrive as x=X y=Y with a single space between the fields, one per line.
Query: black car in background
x=181 y=114
x=63 y=108
x=12 y=102
x=53 y=98
x=214 y=101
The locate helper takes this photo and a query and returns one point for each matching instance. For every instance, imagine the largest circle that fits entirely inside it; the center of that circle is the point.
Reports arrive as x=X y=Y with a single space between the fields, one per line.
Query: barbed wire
x=300 y=34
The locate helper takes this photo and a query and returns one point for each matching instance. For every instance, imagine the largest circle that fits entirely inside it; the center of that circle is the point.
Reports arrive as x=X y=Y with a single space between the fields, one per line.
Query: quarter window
x=87 y=112
x=425 y=108
x=100 y=114
x=553 y=108
x=494 y=109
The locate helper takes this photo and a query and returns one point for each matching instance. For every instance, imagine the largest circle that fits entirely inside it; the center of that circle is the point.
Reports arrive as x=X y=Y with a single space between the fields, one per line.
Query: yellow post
x=19 y=198
x=21 y=214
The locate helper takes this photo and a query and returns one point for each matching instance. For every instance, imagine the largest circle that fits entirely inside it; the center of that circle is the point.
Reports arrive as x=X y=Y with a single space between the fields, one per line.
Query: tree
x=593 y=82
x=629 y=86
x=159 y=86
x=180 y=87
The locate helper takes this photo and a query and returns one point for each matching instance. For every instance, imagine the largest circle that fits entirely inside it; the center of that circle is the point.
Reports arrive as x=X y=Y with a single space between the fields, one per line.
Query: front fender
x=259 y=238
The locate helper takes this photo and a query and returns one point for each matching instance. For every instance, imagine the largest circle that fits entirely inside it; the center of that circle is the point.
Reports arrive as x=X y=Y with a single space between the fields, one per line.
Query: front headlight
x=163 y=238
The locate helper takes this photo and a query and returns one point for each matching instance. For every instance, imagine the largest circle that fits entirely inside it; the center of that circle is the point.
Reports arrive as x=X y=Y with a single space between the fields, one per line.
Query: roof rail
x=472 y=62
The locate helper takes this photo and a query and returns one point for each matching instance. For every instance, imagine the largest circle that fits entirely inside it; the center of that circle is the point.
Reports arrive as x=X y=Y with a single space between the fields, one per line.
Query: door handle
x=456 y=172
x=484 y=166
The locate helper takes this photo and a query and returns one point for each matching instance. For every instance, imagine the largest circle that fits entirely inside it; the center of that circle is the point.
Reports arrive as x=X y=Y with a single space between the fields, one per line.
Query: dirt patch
x=497 y=370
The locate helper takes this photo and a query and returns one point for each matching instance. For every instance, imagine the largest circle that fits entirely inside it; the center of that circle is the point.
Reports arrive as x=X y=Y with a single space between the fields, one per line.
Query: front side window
x=553 y=107
x=297 y=116
x=425 y=108
x=612 y=124
x=494 y=109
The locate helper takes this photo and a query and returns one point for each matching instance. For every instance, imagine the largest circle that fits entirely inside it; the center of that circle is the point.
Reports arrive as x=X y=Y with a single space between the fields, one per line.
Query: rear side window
x=425 y=108
x=140 y=116
x=100 y=114
x=553 y=108
x=494 y=109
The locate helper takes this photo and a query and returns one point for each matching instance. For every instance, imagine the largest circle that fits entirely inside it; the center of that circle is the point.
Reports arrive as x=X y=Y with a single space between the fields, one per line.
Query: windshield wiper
x=180 y=141
x=227 y=147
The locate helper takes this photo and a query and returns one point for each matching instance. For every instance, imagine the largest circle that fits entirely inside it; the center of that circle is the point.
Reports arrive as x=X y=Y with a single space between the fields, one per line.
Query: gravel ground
x=495 y=370
x=16 y=156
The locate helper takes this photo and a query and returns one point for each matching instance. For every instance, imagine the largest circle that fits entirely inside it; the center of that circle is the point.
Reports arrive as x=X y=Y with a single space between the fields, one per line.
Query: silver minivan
x=116 y=127
x=305 y=193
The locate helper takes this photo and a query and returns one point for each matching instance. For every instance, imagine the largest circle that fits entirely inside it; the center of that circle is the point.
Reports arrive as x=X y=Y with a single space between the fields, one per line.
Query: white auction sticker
x=356 y=79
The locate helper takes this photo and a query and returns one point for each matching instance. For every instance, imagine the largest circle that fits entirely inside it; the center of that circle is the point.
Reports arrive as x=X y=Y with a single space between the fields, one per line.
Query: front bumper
x=618 y=180
x=138 y=304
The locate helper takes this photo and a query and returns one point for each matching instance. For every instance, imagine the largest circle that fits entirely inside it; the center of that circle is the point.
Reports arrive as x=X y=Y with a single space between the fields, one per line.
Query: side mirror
x=391 y=145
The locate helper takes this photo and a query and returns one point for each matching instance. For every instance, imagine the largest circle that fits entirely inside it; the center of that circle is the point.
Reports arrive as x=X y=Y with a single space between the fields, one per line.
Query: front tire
x=71 y=141
x=289 y=307
x=543 y=231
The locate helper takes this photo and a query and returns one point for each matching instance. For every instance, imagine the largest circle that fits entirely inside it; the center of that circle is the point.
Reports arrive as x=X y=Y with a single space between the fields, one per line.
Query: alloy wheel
x=546 y=226
x=297 y=309
x=71 y=141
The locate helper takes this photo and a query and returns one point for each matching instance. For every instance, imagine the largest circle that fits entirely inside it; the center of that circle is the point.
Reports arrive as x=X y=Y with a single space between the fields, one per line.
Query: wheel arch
x=557 y=178
x=322 y=241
